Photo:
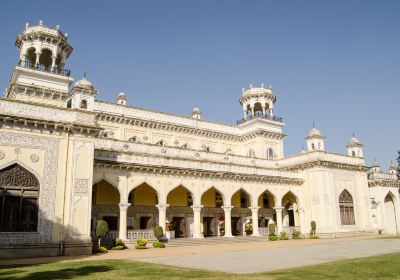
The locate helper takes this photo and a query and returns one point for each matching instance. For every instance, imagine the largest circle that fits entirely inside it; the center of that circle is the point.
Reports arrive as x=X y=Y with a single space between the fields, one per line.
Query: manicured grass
x=378 y=267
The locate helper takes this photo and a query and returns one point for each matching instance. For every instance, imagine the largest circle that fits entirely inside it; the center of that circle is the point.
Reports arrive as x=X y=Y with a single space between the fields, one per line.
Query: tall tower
x=40 y=72
x=258 y=102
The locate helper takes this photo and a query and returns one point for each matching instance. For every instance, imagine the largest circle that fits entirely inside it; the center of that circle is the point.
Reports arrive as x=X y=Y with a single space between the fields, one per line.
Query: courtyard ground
x=217 y=261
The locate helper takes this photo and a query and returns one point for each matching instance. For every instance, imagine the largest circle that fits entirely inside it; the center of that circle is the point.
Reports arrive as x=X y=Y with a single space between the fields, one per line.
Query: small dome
x=84 y=83
x=375 y=164
x=314 y=132
x=121 y=93
x=354 y=140
x=196 y=110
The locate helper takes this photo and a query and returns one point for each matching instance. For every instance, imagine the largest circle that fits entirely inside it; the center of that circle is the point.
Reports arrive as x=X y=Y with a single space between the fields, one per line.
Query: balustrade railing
x=141 y=234
x=112 y=234
x=290 y=230
x=40 y=67
x=259 y=115
x=263 y=231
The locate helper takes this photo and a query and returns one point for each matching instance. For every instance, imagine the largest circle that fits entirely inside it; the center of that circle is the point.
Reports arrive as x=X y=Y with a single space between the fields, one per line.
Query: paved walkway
x=279 y=258
x=244 y=257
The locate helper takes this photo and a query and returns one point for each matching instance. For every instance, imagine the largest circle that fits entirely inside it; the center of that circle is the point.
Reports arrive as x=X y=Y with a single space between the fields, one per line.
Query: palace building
x=68 y=159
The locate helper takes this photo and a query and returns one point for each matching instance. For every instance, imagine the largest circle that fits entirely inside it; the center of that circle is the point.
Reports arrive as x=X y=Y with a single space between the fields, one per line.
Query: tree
x=101 y=229
x=398 y=165
x=158 y=232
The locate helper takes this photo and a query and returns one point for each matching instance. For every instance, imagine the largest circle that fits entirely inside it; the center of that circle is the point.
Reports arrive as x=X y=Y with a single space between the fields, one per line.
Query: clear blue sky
x=333 y=62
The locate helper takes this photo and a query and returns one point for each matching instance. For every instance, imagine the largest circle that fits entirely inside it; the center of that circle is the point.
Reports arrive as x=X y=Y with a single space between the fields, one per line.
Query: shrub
x=249 y=229
x=158 y=232
x=117 y=242
x=273 y=238
x=101 y=229
x=271 y=229
x=314 y=237
x=141 y=244
x=118 y=248
x=296 y=234
x=158 y=245
x=102 y=249
x=283 y=236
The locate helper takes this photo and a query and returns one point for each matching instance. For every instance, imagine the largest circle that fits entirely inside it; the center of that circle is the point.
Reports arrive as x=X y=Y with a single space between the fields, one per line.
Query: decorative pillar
x=302 y=221
x=245 y=114
x=278 y=211
x=263 y=109
x=162 y=214
x=252 y=111
x=271 y=112
x=37 y=57
x=254 y=217
x=53 y=61
x=196 y=221
x=123 y=209
x=228 y=223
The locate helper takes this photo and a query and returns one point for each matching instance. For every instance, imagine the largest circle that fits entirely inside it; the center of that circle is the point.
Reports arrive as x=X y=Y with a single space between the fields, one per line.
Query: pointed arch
x=143 y=194
x=241 y=199
x=103 y=192
x=266 y=199
x=210 y=199
x=346 y=207
x=19 y=195
x=183 y=196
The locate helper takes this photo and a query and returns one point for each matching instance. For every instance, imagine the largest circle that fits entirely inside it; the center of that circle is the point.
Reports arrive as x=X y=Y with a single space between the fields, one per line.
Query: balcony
x=40 y=67
x=260 y=116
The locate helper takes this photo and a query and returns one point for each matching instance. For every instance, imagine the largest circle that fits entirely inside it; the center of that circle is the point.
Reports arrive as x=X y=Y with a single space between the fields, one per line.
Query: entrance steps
x=187 y=241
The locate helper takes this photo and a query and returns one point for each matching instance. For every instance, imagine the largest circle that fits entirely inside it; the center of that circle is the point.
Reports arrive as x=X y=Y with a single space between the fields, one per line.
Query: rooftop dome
x=196 y=110
x=315 y=132
x=121 y=93
x=84 y=83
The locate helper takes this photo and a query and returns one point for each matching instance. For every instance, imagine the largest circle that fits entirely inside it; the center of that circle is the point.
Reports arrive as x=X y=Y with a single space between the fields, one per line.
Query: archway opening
x=45 y=59
x=290 y=215
x=390 y=221
x=266 y=202
x=241 y=214
x=346 y=206
x=143 y=213
x=30 y=57
x=105 y=201
x=212 y=213
x=179 y=213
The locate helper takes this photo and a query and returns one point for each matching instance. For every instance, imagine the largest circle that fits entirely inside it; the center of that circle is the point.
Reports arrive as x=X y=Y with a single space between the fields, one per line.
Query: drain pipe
x=63 y=200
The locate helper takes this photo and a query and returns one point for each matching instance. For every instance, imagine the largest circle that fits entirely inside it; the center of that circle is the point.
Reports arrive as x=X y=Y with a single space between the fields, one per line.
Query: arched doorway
x=266 y=202
x=143 y=213
x=390 y=221
x=179 y=212
x=241 y=202
x=105 y=200
x=19 y=194
x=212 y=213
x=290 y=217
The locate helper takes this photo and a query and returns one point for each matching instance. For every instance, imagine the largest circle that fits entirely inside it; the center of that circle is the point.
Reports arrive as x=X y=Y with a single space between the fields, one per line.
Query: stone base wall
x=29 y=251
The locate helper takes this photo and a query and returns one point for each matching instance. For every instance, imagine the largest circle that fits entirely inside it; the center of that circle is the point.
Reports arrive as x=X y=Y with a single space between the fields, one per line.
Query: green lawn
x=378 y=267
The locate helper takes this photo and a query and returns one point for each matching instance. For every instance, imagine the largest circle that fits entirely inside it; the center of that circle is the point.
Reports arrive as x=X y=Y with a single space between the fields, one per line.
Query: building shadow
x=67 y=273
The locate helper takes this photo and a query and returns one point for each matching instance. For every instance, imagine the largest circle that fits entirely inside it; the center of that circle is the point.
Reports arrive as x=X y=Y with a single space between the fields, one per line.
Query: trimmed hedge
x=158 y=245
x=102 y=250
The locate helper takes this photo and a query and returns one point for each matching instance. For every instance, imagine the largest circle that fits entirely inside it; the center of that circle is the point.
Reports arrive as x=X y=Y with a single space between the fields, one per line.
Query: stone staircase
x=212 y=241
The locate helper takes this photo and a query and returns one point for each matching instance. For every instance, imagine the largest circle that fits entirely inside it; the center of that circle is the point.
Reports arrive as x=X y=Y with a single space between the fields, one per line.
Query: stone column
x=271 y=112
x=37 y=57
x=245 y=114
x=196 y=221
x=302 y=221
x=252 y=111
x=228 y=223
x=263 y=110
x=53 y=61
x=123 y=209
x=278 y=211
x=162 y=214
x=254 y=217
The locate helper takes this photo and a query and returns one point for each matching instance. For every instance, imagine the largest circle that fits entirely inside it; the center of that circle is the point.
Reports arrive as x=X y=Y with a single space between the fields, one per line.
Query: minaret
x=121 y=98
x=258 y=102
x=43 y=55
x=82 y=95
x=376 y=167
x=196 y=113
x=355 y=148
x=315 y=140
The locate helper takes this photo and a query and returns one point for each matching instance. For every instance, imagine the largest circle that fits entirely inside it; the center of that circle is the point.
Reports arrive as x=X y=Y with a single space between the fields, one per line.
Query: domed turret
x=392 y=168
x=375 y=167
x=82 y=95
x=315 y=140
x=355 y=147
x=258 y=102
x=196 y=113
x=121 y=98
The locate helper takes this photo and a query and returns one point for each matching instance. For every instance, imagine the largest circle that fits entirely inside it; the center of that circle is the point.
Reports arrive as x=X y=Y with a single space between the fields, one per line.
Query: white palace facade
x=68 y=159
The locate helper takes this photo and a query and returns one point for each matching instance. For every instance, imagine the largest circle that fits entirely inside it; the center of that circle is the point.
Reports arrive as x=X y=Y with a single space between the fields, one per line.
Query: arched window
x=162 y=143
x=69 y=103
x=19 y=193
x=270 y=153
x=346 y=208
x=218 y=199
x=312 y=146
x=30 y=57
x=353 y=153
x=243 y=200
x=266 y=200
x=133 y=139
x=83 y=104
x=185 y=146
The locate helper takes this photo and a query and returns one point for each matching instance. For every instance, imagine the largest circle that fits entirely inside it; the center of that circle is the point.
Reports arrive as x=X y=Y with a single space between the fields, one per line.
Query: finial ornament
x=84 y=75
x=251 y=86
x=41 y=22
x=262 y=85
x=27 y=25
x=313 y=124
x=66 y=35
x=58 y=27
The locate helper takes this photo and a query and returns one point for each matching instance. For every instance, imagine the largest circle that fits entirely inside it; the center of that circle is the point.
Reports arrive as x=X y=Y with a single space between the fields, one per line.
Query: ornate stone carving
x=81 y=187
x=47 y=182
x=124 y=206
x=34 y=158
x=17 y=151
x=15 y=175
